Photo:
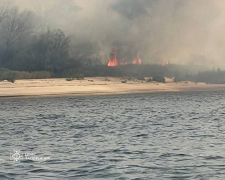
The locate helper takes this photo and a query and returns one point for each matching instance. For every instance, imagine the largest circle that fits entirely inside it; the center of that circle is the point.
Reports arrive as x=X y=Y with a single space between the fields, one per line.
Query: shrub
x=79 y=76
x=8 y=75
x=33 y=75
x=141 y=78
x=159 y=79
x=149 y=80
x=69 y=79
x=177 y=79
x=11 y=78
x=106 y=79
x=124 y=81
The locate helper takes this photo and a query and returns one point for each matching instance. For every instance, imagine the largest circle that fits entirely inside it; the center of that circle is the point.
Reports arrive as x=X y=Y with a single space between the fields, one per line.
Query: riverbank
x=95 y=86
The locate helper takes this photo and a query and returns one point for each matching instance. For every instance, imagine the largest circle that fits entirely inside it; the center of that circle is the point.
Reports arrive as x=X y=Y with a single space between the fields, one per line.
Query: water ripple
x=138 y=137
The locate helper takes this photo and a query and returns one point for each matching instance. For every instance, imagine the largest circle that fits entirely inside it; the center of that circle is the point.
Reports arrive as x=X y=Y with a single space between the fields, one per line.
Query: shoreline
x=97 y=86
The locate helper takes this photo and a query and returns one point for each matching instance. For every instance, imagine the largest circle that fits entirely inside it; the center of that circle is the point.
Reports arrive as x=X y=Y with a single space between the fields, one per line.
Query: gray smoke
x=179 y=31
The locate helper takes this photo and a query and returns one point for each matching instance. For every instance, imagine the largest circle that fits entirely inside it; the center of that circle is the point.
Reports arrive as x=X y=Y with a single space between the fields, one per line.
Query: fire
x=137 y=60
x=113 y=60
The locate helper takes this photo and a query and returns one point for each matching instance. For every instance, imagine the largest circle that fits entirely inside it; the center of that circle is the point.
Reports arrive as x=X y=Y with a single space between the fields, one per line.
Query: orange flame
x=137 y=60
x=113 y=60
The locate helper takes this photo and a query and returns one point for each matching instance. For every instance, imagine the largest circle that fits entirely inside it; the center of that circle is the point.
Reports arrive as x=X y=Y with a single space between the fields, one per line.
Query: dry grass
x=32 y=75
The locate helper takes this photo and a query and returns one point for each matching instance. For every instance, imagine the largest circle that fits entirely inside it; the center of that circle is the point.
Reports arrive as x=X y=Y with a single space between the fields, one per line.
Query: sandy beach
x=95 y=86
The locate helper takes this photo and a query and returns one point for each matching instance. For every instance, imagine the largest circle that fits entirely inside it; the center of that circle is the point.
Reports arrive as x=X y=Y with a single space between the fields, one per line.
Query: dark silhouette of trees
x=15 y=29
x=54 y=49
x=48 y=51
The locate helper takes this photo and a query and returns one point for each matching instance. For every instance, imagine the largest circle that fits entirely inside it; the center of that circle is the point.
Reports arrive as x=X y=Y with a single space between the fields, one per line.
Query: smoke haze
x=179 y=31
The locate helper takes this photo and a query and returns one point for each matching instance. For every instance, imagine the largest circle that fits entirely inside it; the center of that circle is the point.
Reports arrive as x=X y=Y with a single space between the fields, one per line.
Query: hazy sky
x=180 y=31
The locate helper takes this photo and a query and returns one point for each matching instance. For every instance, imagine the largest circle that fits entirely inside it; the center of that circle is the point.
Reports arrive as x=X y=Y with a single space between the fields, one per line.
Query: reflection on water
x=155 y=136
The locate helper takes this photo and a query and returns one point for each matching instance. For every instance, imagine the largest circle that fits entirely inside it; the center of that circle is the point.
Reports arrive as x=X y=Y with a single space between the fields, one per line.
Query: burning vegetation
x=115 y=61
x=137 y=60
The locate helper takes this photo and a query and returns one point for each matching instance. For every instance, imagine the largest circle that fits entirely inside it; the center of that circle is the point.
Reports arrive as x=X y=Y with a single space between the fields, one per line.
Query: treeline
x=209 y=77
x=178 y=72
x=28 y=50
x=148 y=70
x=25 y=46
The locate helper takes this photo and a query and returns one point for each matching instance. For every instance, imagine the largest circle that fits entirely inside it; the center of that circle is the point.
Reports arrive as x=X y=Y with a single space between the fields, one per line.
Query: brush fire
x=114 y=61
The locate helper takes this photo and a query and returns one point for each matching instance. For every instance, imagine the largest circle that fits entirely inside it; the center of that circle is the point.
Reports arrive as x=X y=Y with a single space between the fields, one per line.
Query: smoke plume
x=183 y=32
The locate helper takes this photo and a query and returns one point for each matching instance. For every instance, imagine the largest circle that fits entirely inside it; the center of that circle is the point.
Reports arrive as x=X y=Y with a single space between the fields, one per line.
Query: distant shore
x=95 y=86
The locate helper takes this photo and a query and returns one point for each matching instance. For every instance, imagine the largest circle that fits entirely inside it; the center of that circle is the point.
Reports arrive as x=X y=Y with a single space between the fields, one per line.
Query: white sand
x=98 y=86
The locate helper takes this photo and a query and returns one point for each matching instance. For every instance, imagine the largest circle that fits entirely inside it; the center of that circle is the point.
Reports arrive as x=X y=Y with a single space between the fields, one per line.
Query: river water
x=148 y=136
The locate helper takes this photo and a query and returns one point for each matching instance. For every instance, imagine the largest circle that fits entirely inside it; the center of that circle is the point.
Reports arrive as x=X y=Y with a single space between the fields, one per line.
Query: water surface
x=150 y=136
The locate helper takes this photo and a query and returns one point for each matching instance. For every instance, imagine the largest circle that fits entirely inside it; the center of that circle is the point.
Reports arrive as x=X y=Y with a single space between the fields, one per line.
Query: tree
x=84 y=52
x=5 y=6
x=15 y=29
x=53 y=48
